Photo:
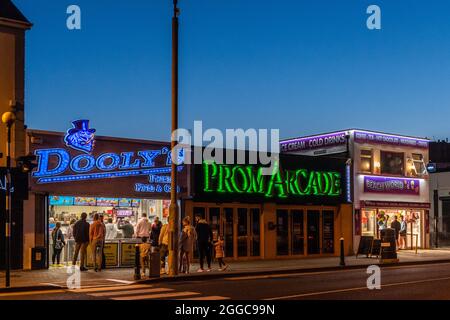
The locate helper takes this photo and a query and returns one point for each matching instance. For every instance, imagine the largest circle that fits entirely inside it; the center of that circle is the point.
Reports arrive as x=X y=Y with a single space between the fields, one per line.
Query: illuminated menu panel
x=107 y=202
x=61 y=201
x=85 y=201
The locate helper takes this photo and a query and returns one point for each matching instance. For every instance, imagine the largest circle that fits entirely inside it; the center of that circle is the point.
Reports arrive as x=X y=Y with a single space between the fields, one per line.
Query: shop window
x=366 y=161
x=199 y=212
x=419 y=165
x=392 y=163
x=214 y=222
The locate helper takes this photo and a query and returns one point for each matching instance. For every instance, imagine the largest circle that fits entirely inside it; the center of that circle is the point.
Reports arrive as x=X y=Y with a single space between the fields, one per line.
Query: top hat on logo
x=80 y=125
x=80 y=137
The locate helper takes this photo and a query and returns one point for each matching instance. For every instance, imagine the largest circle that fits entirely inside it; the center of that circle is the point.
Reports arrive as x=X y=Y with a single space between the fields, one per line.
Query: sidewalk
x=57 y=277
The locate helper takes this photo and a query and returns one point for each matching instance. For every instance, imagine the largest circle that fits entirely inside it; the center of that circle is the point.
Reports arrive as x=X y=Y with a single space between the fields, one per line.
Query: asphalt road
x=431 y=281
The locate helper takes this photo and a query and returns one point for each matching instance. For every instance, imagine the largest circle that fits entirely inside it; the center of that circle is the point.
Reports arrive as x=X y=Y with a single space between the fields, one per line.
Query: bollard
x=342 y=263
x=137 y=264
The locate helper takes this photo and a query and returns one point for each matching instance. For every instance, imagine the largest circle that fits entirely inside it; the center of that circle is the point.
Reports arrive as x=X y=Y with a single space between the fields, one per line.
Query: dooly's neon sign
x=107 y=165
x=248 y=179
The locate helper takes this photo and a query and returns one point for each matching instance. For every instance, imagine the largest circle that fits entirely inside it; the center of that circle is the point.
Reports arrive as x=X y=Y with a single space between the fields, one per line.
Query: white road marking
x=207 y=298
x=129 y=292
x=121 y=281
x=30 y=293
x=355 y=289
x=158 y=296
x=110 y=288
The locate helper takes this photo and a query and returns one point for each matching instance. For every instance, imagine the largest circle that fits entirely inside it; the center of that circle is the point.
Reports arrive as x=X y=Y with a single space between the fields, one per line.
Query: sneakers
x=200 y=270
x=220 y=269
x=208 y=270
x=82 y=269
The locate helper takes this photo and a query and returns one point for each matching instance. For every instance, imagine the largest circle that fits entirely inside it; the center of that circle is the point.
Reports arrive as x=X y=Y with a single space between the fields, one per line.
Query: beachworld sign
x=380 y=138
x=316 y=145
x=282 y=184
x=385 y=185
x=82 y=158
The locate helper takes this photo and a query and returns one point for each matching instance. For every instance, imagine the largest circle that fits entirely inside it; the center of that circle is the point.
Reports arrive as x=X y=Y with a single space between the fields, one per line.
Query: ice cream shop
x=389 y=181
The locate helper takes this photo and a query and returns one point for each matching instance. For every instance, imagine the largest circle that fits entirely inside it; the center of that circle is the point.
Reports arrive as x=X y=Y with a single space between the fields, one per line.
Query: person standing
x=96 y=236
x=204 y=239
x=127 y=229
x=396 y=226
x=220 y=253
x=163 y=246
x=81 y=236
x=403 y=231
x=58 y=243
x=144 y=251
x=186 y=245
x=102 y=220
x=155 y=231
x=111 y=230
x=143 y=227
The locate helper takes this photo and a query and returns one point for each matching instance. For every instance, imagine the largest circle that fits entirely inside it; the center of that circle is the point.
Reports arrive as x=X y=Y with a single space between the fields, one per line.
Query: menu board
x=123 y=213
x=107 y=202
x=127 y=254
x=85 y=201
x=135 y=203
x=125 y=202
x=61 y=201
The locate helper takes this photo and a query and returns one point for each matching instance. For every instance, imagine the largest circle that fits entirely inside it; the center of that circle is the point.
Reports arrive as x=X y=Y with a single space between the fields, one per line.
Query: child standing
x=220 y=253
x=144 y=250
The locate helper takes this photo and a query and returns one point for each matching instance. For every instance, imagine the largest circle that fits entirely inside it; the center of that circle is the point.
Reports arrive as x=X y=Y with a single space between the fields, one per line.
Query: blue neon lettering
x=126 y=163
x=88 y=165
x=149 y=157
x=101 y=161
x=43 y=170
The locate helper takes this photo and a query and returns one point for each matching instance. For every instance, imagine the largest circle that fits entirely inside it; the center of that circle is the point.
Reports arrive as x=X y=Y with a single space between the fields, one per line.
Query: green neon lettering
x=225 y=178
x=257 y=180
x=209 y=175
x=336 y=189
x=276 y=182
x=244 y=179
x=300 y=176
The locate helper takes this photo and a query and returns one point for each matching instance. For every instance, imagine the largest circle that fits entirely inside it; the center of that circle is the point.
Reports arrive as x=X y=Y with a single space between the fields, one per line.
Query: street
x=430 y=281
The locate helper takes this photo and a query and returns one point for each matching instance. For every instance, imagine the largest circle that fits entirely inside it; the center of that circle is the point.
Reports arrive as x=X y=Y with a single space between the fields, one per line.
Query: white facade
x=389 y=178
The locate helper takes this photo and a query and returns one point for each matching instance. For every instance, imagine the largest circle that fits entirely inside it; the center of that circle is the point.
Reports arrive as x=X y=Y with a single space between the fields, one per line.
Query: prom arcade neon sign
x=248 y=179
x=86 y=167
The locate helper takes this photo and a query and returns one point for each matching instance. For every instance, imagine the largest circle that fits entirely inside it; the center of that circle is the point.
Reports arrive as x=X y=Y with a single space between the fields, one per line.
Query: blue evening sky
x=303 y=66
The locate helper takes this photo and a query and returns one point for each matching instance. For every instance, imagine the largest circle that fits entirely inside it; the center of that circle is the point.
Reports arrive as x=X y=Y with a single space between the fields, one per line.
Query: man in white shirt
x=143 y=227
x=111 y=230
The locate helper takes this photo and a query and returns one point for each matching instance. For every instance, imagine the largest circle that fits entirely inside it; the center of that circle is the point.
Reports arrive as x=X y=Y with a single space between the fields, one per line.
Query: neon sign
x=80 y=137
x=248 y=179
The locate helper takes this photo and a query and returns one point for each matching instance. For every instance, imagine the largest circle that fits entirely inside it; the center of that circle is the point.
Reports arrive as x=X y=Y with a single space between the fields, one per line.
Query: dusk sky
x=303 y=66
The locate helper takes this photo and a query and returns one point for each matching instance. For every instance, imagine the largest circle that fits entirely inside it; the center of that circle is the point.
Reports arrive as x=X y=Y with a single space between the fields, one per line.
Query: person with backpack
x=58 y=244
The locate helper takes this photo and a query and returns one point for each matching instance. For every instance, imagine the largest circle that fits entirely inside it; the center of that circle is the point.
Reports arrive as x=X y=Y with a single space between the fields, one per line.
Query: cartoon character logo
x=80 y=137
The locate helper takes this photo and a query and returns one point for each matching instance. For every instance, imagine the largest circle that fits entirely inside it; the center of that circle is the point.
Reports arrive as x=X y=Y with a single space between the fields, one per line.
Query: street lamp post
x=8 y=118
x=173 y=209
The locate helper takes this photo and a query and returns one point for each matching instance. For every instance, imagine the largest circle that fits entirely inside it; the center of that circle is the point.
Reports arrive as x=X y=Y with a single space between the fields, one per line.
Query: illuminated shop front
x=299 y=210
x=80 y=172
x=389 y=178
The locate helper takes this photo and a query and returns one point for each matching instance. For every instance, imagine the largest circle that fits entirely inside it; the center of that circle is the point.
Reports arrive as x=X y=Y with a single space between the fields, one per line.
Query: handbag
x=59 y=244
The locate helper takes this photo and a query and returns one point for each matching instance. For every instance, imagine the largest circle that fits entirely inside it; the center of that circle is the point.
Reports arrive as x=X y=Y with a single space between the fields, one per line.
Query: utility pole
x=8 y=118
x=173 y=209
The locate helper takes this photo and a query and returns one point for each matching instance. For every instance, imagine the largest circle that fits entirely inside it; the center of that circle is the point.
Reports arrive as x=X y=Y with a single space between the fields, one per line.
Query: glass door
x=313 y=229
x=242 y=232
x=297 y=232
x=214 y=222
x=282 y=233
x=228 y=231
x=255 y=232
x=327 y=231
